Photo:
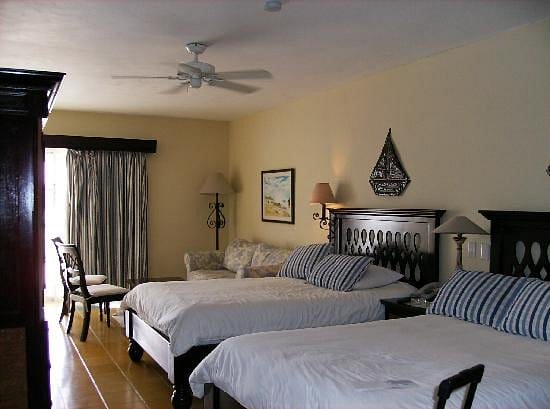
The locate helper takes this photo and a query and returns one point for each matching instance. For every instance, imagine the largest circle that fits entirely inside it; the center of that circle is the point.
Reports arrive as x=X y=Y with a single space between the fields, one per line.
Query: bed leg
x=135 y=351
x=182 y=397
x=183 y=366
x=211 y=397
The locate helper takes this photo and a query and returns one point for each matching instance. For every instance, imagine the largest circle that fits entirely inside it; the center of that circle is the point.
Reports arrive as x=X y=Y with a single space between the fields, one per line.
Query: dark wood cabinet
x=401 y=308
x=26 y=98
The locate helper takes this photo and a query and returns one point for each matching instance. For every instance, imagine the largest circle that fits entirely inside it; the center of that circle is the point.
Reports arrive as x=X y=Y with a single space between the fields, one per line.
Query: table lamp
x=322 y=194
x=459 y=225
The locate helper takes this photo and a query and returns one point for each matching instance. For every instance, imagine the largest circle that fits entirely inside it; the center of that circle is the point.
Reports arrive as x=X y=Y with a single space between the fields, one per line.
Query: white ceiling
x=310 y=45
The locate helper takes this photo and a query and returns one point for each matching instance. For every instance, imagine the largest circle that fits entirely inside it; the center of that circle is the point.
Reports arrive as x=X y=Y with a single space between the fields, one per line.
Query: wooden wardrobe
x=26 y=98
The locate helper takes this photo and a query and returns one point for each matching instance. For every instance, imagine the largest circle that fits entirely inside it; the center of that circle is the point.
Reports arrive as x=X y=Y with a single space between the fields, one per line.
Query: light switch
x=472 y=246
x=484 y=250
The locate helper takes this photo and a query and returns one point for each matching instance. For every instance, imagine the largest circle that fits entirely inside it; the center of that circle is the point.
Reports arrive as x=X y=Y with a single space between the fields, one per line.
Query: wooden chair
x=471 y=376
x=87 y=294
x=71 y=282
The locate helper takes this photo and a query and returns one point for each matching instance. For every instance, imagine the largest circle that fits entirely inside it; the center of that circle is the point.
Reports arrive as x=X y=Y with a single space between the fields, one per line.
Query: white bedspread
x=209 y=311
x=385 y=364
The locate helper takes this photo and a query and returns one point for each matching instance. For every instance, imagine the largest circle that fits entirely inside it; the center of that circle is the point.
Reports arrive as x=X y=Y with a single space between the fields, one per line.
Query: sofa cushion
x=204 y=260
x=266 y=255
x=262 y=271
x=209 y=274
x=238 y=254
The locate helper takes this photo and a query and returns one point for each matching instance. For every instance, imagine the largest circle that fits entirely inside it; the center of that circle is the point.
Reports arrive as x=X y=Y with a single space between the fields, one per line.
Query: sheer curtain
x=55 y=216
x=107 y=212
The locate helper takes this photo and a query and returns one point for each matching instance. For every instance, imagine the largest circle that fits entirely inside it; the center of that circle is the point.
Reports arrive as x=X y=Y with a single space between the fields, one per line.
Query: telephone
x=429 y=291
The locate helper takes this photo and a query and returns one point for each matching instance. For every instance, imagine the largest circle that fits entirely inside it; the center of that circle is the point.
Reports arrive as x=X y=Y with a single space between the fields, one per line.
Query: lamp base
x=459 y=242
x=216 y=219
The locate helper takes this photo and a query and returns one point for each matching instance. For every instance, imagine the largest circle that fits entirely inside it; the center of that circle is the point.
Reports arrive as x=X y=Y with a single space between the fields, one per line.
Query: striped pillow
x=478 y=297
x=530 y=313
x=302 y=260
x=339 y=272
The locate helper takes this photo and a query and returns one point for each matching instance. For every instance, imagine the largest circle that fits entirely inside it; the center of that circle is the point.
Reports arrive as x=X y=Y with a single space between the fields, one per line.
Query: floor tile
x=97 y=374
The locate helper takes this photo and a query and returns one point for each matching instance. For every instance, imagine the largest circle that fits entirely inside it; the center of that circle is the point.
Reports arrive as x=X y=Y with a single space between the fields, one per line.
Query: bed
x=179 y=334
x=396 y=363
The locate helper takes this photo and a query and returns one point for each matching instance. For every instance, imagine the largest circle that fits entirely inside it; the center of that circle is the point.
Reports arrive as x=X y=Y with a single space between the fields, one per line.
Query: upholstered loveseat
x=240 y=259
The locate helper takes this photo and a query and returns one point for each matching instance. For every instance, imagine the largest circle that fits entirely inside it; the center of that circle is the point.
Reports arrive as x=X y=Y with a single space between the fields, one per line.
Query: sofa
x=241 y=259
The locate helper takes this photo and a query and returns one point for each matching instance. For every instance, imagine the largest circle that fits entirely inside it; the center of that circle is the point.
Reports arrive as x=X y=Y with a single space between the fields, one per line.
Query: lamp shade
x=215 y=183
x=460 y=224
x=322 y=193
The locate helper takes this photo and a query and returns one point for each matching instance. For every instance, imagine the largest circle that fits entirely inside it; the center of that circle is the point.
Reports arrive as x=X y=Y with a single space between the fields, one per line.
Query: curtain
x=107 y=212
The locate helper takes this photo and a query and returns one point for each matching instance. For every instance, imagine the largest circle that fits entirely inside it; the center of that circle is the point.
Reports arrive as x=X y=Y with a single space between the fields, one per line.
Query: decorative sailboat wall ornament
x=389 y=178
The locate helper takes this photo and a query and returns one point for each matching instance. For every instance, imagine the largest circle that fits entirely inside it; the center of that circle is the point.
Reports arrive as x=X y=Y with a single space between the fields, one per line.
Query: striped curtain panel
x=107 y=212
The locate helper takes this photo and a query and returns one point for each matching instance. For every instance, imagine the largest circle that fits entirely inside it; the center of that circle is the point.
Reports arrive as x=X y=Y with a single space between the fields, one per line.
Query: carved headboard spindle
x=400 y=239
x=520 y=243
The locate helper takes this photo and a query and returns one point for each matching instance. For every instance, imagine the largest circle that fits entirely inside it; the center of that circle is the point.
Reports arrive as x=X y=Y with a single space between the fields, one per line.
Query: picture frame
x=277 y=198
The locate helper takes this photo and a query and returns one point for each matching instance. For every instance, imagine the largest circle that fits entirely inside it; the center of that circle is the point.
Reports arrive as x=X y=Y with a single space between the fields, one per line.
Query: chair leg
x=101 y=311
x=108 y=313
x=71 y=317
x=86 y=322
x=64 y=307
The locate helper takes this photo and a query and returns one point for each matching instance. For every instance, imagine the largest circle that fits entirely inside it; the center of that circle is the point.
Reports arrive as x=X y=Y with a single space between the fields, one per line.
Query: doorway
x=55 y=215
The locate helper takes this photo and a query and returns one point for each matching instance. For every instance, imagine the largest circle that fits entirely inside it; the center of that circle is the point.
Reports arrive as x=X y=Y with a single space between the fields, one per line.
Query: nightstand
x=401 y=308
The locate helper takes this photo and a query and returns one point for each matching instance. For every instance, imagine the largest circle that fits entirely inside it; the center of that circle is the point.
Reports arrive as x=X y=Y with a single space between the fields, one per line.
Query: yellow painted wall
x=472 y=127
x=187 y=152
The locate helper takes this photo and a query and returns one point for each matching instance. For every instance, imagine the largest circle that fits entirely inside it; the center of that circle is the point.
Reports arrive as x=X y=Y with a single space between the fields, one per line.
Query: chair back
x=62 y=270
x=72 y=263
x=471 y=376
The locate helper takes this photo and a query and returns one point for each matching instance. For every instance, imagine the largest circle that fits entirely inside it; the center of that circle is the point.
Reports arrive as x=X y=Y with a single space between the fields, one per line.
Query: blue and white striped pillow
x=302 y=260
x=530 y=313
x=478 y=297
x=339 y=272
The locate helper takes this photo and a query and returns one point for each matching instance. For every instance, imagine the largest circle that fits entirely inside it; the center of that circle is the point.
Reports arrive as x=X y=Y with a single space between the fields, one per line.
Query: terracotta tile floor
x=98 y=374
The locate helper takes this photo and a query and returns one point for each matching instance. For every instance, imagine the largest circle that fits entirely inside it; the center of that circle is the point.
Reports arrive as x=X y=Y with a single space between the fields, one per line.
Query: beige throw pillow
x=267 y=255
x=238 y=254
x=262 y=271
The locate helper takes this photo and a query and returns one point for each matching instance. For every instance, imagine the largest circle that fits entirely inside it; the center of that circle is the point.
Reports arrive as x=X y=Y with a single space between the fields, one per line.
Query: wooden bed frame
x=508 y=257
x=399 y=239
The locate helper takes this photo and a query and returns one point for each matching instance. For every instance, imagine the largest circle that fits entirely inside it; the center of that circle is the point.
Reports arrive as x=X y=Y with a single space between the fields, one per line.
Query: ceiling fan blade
x=142 y=77
x=234 y=86
x=188 y=69
x=174 y=90
x=245 y=75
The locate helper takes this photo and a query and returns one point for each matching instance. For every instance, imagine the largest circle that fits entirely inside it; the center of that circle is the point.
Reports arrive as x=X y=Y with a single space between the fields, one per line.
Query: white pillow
x=377 y=276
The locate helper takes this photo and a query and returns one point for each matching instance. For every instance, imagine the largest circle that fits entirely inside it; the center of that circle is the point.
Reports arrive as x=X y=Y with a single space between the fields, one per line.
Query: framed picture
x=278 y=196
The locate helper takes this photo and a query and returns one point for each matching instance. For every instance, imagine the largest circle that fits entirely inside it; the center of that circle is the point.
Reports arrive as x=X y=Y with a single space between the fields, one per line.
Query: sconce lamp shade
x=322 y=193
x=459 y=225
x=216 y=183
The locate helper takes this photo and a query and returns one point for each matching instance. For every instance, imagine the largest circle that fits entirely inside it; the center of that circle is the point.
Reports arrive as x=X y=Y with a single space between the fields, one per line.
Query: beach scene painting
x=278 y=196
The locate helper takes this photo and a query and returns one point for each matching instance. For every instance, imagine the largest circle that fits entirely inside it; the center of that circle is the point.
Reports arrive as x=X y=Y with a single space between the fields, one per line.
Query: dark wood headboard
x=520 y=243
x=400 y=239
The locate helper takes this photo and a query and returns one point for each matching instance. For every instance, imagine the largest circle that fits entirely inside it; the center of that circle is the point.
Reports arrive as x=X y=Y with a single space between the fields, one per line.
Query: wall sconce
x=322 y=194
x=216 y=184
x=459 y=225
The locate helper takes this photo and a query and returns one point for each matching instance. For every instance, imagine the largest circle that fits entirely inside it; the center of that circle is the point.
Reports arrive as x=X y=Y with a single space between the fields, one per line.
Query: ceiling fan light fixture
x=273 y=5
x=195 y=82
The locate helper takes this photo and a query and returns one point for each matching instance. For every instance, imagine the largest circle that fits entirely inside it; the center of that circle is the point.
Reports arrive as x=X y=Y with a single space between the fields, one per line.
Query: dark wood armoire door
x=26 y=98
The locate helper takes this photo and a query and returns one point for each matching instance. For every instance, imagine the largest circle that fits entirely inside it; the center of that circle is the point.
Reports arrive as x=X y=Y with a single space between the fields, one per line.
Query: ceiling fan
x=193 y=73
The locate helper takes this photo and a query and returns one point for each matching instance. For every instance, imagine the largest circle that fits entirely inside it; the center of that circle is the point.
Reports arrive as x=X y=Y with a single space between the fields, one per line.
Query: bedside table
x=401 y=308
